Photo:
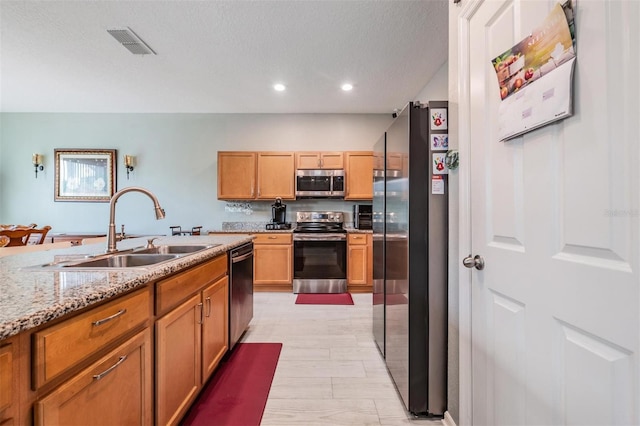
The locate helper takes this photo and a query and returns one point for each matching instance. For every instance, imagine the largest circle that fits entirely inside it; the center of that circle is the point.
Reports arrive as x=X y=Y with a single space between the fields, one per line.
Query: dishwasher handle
x=241 y=258
x=242 y=253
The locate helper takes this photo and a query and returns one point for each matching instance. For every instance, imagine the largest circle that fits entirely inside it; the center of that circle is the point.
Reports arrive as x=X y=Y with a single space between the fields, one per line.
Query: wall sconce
x=129 y=162
x=37 y=160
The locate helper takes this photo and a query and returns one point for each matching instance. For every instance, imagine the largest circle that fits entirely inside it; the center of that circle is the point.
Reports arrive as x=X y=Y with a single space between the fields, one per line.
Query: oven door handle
x=319 y=237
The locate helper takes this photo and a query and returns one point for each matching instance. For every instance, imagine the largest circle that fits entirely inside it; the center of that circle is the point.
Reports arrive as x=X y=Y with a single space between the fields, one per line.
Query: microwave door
x=307 y=186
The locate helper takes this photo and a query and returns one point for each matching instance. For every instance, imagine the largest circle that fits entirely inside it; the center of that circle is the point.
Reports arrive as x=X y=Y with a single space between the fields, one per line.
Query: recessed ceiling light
x=279 y=87
x=346 y=87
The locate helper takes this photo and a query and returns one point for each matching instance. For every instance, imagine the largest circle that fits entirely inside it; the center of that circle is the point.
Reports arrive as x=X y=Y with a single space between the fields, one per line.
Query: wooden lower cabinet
x=107 y=366
x=116 y=390
x=272 y=261
x=190 y=342
x=359 y=262
x=62 y=346
x=215 y=326
x=8 y=382
x=178 y=360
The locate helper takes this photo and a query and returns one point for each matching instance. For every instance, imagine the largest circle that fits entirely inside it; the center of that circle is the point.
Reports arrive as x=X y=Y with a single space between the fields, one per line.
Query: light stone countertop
x=358 y=231
x=31 y=297
x=259 y=227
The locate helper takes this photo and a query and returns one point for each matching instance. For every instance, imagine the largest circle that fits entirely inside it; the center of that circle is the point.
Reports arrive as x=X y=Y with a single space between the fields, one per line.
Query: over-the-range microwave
x=320 y=183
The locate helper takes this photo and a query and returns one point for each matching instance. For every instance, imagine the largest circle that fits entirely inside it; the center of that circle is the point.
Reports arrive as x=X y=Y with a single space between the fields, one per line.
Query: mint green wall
x=176 y=159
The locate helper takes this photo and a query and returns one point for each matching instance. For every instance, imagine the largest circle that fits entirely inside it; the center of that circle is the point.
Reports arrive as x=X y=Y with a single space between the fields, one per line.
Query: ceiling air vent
x=131 y=41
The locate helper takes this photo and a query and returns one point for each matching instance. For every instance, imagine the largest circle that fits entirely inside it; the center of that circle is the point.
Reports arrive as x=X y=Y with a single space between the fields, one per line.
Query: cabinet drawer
x=115 y=390
x=272 y=239
x=172 y=291
x=357 y=239
x=61 y=346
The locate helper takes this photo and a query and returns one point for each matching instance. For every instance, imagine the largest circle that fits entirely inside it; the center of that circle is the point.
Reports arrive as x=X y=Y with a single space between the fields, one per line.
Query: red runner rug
x=324 y=299
x=237 y=392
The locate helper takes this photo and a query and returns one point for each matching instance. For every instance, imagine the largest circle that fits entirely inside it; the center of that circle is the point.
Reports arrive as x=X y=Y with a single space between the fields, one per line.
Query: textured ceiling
x=219 y=56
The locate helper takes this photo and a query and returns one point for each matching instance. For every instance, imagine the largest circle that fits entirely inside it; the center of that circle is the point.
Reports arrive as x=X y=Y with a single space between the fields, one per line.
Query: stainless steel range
x=319 y=253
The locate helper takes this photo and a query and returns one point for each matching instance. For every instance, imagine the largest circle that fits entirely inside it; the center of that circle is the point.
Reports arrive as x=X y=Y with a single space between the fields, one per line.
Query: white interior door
x=555 y=214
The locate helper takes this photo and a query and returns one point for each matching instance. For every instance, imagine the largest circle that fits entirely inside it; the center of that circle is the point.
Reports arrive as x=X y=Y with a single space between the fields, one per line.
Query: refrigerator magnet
x=437 y=185
x=440 y=142
x=439 y=119
x=439 y=167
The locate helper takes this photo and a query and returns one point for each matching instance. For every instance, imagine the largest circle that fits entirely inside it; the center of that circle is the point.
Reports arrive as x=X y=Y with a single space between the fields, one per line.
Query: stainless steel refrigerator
x=410 y=231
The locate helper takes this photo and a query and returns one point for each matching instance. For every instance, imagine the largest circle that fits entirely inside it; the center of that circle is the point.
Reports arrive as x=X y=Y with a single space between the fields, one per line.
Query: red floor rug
x=324 y=299
x=237 y=392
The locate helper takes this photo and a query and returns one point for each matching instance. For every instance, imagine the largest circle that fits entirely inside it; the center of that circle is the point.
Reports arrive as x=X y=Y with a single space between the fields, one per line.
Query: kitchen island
x=75 y=344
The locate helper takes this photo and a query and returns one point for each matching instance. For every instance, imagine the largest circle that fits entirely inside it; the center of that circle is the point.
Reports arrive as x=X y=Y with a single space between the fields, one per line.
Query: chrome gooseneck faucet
x=111 y=241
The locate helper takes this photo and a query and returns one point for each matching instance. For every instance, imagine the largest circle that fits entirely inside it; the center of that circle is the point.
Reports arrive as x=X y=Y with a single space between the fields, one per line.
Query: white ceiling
x=219 y=56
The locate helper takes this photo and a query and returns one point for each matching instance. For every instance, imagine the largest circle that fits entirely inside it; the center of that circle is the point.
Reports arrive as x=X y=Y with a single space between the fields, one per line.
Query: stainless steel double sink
x=134 y=258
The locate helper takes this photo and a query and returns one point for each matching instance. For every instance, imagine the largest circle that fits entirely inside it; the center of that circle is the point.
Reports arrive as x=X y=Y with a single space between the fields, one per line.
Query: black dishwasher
x=240 y=291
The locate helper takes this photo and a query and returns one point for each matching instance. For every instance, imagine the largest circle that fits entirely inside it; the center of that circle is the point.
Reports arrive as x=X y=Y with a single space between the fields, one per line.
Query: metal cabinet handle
x=272 y=237
x=474 y=262
x=208 y=299
x=107 y=319
x=110 y=369
x=201 y=307
x=252 y=187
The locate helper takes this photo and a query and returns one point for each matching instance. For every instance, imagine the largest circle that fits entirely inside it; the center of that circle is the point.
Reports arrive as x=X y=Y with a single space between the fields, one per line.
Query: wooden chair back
x=17 y=236
x=42 y=232
x=31 y=225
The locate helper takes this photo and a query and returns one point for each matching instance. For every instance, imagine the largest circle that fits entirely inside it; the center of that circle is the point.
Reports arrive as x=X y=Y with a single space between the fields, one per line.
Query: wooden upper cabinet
x=319 y=160
x=237 y=175
x=359 y=175
x=276 y=175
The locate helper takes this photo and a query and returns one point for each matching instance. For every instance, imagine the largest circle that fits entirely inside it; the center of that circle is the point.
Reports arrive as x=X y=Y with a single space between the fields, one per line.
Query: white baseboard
x=448 y=420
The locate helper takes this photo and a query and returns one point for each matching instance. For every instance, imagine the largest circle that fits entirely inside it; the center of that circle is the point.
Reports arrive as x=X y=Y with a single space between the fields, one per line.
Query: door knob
x=474 y=262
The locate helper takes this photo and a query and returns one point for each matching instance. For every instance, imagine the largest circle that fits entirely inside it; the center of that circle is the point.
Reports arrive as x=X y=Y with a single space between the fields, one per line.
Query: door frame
x=461 y=73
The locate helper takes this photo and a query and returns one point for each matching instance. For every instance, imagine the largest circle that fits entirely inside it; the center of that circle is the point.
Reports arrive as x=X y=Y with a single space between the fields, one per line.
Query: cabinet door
x=272 y=264
x=236 y=175
x=359 y=176
x=178 y=358
x=370 y=259
x=8 y=382
x=276 y=175
x=116 y=390
x=332 y=160
x=357 y=265
x=307 y=160
x=215 y=328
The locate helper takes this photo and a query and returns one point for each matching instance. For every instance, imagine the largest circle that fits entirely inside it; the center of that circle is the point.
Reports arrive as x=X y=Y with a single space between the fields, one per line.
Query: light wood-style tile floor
x=330 y=371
